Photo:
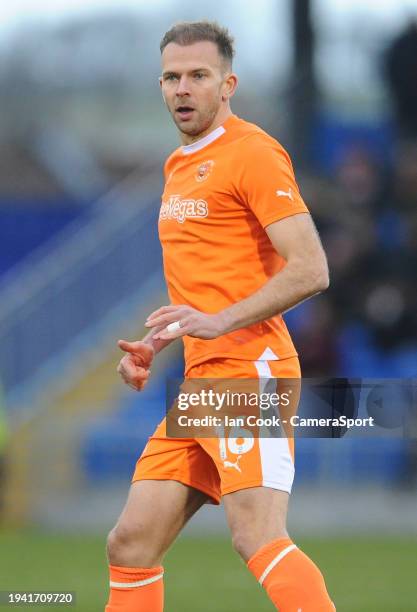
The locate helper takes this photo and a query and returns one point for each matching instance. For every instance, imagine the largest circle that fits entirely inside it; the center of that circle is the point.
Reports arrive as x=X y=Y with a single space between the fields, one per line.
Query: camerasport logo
x=204 y=170
x=176 y=208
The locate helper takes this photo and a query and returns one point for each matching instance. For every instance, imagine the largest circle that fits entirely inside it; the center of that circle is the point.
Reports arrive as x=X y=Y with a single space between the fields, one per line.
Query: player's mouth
x=184 y=112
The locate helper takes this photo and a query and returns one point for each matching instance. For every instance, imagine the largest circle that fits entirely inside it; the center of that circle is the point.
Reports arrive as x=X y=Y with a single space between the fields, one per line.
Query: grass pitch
x=205 y=575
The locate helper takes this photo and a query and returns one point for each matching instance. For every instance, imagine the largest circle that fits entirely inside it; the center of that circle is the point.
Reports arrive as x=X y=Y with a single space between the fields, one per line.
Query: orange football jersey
x=220 y=193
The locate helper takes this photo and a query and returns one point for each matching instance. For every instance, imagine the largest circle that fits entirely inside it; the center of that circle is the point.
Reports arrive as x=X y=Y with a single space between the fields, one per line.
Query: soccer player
x=239 y=249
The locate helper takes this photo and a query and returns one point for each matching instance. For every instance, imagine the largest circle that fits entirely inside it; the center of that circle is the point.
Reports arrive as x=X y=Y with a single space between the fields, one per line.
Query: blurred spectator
x=401 y=72
x=366 y=323
x=315 y=337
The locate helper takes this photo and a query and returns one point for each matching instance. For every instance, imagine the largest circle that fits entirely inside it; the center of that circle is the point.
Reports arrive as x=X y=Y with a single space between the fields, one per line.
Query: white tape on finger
x=173 y=327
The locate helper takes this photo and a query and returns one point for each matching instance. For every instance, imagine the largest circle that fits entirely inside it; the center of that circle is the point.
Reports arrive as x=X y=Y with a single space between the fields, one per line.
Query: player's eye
x=170 y=77
x=199 y=75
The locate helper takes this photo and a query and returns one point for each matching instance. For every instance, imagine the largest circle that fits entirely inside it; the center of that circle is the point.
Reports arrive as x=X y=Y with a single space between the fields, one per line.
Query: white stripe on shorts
x=276 y=460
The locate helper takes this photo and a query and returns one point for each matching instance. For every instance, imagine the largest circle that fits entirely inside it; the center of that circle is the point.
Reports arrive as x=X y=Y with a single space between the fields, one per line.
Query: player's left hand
x=189 y=322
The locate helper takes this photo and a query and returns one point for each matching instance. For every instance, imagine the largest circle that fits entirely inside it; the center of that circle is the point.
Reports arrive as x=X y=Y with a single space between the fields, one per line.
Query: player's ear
x=229 y=86
x=160 y=85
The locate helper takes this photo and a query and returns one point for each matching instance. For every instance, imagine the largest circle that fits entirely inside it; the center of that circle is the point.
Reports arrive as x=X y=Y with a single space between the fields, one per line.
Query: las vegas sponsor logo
x=176 y=208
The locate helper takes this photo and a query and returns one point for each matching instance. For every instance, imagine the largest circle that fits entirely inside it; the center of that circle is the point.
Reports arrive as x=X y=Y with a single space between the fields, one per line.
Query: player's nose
x=183 y=88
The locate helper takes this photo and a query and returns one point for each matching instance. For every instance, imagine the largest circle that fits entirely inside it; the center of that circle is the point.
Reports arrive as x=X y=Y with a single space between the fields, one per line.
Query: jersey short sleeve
x=267 y=183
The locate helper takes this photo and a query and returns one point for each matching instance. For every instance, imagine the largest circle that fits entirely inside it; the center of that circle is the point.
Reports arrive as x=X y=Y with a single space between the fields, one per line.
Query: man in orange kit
x=239 y=249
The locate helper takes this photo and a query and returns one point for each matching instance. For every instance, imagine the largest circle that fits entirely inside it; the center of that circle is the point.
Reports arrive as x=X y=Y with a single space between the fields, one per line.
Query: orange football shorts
x=221 y=465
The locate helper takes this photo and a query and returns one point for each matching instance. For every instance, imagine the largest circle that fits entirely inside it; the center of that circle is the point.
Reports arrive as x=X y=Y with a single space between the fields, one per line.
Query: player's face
x=195 y=85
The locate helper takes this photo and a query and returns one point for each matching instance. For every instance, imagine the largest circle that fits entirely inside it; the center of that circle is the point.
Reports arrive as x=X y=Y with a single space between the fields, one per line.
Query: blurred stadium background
x=83 y=134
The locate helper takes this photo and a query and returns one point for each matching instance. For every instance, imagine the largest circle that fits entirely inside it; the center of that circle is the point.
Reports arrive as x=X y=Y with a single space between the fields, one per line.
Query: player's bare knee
x=127 y=543
x=115 y=544
x=242 y=542
x=247 y=541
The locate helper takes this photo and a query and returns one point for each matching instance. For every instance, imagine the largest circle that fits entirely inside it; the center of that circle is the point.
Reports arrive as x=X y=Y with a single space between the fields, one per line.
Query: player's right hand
x=134 y=367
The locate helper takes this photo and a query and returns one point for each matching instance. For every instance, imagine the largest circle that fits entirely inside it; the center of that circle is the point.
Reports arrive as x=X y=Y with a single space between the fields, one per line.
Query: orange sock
x=291 y=579
x=136 y=589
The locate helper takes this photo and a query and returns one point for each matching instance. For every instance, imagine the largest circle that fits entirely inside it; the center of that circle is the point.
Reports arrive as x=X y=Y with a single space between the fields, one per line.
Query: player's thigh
x=156 y=511
x=256 y=516
x=247 y=455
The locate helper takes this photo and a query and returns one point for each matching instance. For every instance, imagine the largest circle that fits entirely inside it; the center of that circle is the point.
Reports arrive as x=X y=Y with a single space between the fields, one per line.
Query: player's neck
x=221 y=117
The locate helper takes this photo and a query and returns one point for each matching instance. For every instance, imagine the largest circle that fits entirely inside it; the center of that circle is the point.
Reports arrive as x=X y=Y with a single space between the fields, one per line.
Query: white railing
x=77 y=277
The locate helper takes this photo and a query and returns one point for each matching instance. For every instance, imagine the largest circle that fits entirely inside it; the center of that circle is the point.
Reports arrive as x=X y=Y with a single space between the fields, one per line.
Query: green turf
x=204 y=575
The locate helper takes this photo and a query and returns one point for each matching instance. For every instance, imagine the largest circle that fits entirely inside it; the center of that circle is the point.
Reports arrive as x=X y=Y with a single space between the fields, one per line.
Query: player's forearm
x=156 y=344
x=295 y=283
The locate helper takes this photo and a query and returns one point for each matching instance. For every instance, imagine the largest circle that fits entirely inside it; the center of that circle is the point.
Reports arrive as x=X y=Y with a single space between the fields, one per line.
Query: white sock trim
x=138 y=583
x=275 y=561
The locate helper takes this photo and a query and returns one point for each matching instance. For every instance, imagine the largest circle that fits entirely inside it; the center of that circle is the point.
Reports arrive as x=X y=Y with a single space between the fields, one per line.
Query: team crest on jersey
x=204 y=170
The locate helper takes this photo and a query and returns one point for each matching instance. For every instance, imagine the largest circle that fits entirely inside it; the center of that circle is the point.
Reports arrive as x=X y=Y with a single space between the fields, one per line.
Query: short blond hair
x=189 y=32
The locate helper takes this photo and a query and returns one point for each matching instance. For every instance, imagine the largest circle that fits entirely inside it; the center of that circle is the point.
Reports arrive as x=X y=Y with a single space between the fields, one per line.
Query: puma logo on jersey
x=233 y=464
x=285 y=194
x=176 y=208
